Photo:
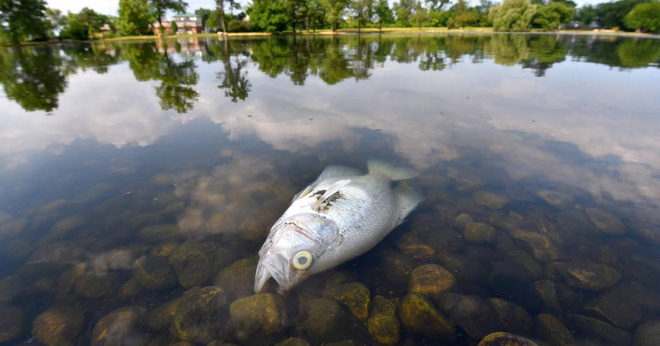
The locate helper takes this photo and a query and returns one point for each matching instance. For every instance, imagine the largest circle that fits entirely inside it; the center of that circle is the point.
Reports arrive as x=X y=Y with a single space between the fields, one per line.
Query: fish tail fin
x=407 y=200
x=389 y=171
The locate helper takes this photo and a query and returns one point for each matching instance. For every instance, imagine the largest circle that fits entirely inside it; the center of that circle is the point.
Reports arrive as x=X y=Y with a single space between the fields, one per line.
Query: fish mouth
x=276 y=267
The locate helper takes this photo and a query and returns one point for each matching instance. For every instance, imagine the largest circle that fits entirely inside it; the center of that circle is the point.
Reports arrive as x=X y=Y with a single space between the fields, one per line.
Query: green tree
x=419 y=15
x=383 y=13
x=23 y=19
x=586 y=14
x=404 y=10
x=315 y=15
x=220 y=9
x=203 y=13
x=612 y=14
x=334 y=12
x=363 y=11
x=84 y=24
x=160 y=7
x=174 y=28
x=554 y=14
x=645 y=17
x=135 y=17
x=55 y=21
x=269 y=15
x=638 y=53
x=437 y=5
x=512 y=15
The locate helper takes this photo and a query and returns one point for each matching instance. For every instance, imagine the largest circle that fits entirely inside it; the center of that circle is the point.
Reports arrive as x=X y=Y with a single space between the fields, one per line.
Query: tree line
x=22 y=20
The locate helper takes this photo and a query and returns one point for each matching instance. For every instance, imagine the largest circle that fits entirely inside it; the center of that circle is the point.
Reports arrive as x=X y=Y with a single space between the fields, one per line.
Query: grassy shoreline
x=353 y=31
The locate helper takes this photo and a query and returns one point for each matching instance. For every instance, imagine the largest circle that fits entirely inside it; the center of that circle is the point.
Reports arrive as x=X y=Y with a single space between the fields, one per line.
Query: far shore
x=354 y=31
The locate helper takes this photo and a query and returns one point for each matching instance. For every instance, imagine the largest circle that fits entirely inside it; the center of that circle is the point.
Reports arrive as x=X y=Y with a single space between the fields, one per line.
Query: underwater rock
x=59 y=325
x=540 y=245
x=462 y=220
x=522 y=261
x=174 y=208
x=509 y=283
x=647 y=334
x=292 y=342
x=259 y=317
x=326 y=320
x=131 y=288
x=575 y=223
x=466 y=180
x=605 y=221
x=161 y=316
x=119 y=328
x=557 y=199
x=91 y=285
x=354 y=295
x=63 y=253
x=200 y=314
x=52 y=206
x=480 y=233
x=466 y=271
x=195 y=262
x=505 y=339
x=383 y=323
x=513 y=317
x=396 y=267
x=62 y=228
x=163 y=233
x=10 y=288
x=431 y=280
x=588 y=276
x=142 y=220
x=615 y=308
x=18 y=249
x=411 y=244
x=476 y=317
x=546 y=290
x=490 y=199
x=600 y=330
x=552 y=331
x=12 y=229
x=647 y=233
x=154 y=272
x=643 y=267
x=11 y=322
x=419 y=316
x=237 y=280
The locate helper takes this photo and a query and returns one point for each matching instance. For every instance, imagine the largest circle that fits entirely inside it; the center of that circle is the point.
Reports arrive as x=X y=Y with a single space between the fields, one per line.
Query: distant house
x=186 y=23
x=572 y=25
x=595 y=25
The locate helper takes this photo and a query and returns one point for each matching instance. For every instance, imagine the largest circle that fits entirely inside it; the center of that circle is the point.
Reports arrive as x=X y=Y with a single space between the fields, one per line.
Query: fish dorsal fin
x=391 y=172
x=337 y=172
x=302 y=193
x=334 y=188
x=407 y=200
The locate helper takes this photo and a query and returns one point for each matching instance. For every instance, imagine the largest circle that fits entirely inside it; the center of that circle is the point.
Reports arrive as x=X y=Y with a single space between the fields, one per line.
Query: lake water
x=139 y=180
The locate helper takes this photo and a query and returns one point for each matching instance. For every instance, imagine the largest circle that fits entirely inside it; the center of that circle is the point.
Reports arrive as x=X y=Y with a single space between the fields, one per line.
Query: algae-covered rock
x=12 y=229
x=154 y=272
x=588 y=276
x=326 y=320
x=617 y=308
x=513 y=317
x=397 y=267
x=552 y=331
x=131 y=288
x=383 y=323
x=431 y=280
x=59 y=325
x=161 y=317
x=92 y=285
x=480 y=233
x=539 y=244
x=10 y=288
x=509 y=283
x=647 y=334
x=598 y=329
x=354 y=295
x=647 y=233
x=556 y=199
x=200 y=315
x=292 y=342
x=53 y=206
x=605 y=221
x=237 y=280
x=120 y=327
x=196 y=262
x=411 y=244
x=522 y=261
x=490 y=199
x=546 y=290
x=505 y=339
x=11 y=322
x=68 y=279
x=419 y=316
x=163 y=233
x=259 y=317
x=474 y=315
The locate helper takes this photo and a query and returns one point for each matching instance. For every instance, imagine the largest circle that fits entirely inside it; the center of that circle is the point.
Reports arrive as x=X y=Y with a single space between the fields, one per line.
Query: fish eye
x=302 y=260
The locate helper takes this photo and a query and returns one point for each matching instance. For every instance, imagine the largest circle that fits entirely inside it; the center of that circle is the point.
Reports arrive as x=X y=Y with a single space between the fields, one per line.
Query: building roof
x=185 y=15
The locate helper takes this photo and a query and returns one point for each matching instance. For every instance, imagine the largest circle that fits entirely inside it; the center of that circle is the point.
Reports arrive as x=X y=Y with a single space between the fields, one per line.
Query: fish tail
x=407 y=200
x=391 y=172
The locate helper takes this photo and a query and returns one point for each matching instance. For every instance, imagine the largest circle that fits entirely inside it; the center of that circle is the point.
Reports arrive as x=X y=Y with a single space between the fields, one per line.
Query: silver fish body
x=340 y=216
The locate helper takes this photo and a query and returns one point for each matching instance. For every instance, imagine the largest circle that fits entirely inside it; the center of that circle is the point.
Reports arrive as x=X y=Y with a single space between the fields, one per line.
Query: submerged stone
x=195 y=262
x=163 y=233
x=539 y=244
x=556 y=199
x=397 y=267
x=237 y=280
x=59 y=325
x=522 y=261
x=411 y=244
x=552 y=331
x=509 y=283
x=605 y=221
x=198 y=315
x=647 y=233
x=615 y=308
x=161 y=317
x=490 y=199
x=91 y=285
x=12 y=229
x=292 y=342
x=120 y=328
x=53 y=206
x=354 y=295
x=647 y=334
x=11 y=322
x=505 y=339
x=259 y=317
x=474 y=315
x=419 y=316
x=480 y=233
x=588 y=276
x=431 y=280
x=326 y=320
x=10 y=288
x=599 y=330
x=513 y=317
x=383 y=323
x=546 y=290
x=154 y=272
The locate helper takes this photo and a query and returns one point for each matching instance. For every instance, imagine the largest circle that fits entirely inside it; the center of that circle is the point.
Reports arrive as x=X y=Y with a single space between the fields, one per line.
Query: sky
x=111 y=7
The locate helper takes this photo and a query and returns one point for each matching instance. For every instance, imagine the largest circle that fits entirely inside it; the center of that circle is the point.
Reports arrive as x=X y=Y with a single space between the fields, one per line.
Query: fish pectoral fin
x=338 y=171
x=329 y=192
x=407 y=200
x=302 y=193
x=391 y=172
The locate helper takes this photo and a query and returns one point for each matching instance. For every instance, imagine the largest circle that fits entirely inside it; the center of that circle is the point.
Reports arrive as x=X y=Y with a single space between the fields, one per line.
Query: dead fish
x=341 y=215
